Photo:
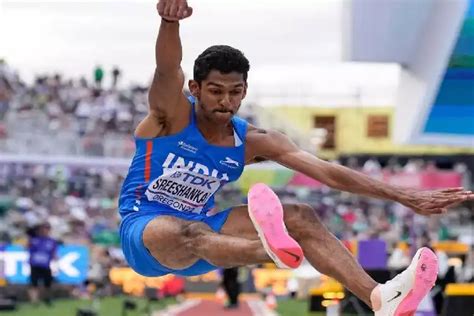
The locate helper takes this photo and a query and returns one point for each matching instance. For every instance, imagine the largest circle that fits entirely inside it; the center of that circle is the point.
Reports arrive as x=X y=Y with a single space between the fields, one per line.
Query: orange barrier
x=134 y=284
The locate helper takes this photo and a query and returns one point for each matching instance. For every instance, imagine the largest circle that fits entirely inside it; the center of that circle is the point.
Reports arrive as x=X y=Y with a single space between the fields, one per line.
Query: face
x=219 y=95
x=44 y=230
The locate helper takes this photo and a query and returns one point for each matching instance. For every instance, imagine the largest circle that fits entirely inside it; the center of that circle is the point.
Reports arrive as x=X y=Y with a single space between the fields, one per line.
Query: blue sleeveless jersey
x=181 y=172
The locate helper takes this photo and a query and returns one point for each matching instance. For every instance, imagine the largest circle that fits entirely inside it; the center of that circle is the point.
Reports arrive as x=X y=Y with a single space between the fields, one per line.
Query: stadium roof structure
x=433 y=41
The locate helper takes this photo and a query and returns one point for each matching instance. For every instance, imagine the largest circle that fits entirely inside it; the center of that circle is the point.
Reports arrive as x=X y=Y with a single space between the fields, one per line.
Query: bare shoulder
x=257 y=136
x=158 y=123
x=265 y=144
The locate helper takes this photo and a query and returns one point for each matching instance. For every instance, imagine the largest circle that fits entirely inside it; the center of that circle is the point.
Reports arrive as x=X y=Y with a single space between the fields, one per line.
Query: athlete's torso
x=181 y=172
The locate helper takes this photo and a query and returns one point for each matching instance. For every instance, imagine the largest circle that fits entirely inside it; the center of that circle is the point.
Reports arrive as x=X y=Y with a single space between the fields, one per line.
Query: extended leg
x=322 y=249
x=398 y=297
x=325 y=252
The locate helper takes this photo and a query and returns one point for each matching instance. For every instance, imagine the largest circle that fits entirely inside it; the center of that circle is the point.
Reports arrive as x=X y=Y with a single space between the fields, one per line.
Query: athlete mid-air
x=189 y=148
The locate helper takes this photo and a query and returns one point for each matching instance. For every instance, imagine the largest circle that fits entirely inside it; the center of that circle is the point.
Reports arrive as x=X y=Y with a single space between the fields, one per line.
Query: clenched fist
x=174 y=10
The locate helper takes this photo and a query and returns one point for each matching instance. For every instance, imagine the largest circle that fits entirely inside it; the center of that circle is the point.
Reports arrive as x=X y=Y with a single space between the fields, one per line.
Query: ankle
x=375 y=299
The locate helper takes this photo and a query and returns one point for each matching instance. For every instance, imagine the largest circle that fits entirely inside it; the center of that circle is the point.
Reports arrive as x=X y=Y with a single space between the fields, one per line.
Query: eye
x=215 y=91
x=236 y=92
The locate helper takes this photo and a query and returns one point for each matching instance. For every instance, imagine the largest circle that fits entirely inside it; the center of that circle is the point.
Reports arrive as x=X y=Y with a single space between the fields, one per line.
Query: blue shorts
x=138 y=256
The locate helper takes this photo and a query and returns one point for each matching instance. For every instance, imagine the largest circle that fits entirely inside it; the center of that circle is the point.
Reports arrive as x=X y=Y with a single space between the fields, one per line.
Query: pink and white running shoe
x=402 y=295
x=266 y=213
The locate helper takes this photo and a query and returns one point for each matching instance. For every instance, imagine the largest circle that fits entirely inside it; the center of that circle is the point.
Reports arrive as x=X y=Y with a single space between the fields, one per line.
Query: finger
x=173 y=9
x=456 y=194
x=469 y=195
x=161 y=7
x=447 y=195
x=166 y=11
x=456 y=189
x=182 y=8
x=463 y=197
x=451 y=202
x=437 y=211
x=452 y=190
x=188 y=12
x=454 y=204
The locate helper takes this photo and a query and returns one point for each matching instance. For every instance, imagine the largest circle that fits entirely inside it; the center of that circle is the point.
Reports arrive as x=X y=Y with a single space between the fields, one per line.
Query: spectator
x=372 y=166
x=5 y=95
x=98 y=76
x=231 y=284
x=42 y=250
x=115 y=76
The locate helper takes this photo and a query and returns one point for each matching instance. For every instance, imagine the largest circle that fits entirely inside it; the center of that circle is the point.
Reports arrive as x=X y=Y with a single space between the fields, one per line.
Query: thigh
x=188 y=247
x=239 y=224
x=167 y=240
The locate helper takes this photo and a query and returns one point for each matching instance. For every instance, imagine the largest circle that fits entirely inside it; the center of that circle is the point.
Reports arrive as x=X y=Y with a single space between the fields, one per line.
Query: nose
x=225 y=101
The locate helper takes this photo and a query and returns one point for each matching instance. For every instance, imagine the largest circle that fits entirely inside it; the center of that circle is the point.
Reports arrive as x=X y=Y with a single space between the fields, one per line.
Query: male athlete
x=188 y=148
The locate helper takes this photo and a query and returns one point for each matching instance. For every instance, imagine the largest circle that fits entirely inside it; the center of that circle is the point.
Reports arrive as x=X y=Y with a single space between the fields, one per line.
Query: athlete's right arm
x=167 y=103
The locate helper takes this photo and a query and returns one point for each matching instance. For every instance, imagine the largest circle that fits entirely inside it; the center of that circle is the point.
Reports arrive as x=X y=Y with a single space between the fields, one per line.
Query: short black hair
x=223 y=58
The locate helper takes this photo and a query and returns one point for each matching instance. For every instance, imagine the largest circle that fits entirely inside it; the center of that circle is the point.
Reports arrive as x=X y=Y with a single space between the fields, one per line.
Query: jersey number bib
x=182 y=190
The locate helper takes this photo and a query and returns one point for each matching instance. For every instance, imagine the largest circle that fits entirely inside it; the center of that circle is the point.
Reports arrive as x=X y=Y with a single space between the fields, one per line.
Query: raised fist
x=174 y=10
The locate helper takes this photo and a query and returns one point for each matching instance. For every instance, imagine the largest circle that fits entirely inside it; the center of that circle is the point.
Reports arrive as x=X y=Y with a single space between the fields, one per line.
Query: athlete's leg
x=397 y=297
x=322 y=249
x=178 y=244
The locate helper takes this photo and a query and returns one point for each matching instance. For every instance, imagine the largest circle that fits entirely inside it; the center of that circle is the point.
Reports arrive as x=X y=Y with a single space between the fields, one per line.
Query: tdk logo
x=187 y=147
x=229 y=162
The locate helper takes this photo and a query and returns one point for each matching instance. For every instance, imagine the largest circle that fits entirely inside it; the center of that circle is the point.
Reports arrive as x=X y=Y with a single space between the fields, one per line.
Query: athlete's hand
x=435 y=202
x=174 y=10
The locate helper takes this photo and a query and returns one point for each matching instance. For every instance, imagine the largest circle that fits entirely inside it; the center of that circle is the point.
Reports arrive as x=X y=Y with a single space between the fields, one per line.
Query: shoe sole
x=266 y=213
x=425 y=278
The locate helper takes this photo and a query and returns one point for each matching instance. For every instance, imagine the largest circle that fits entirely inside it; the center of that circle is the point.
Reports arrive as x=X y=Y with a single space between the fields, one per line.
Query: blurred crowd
x=85 y=117
x=80 y=203
x=81 y=114
x=77 y=104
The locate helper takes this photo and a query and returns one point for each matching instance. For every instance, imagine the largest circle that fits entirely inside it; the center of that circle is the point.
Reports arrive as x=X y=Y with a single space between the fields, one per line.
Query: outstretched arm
x=276 y=146
x=167 y=102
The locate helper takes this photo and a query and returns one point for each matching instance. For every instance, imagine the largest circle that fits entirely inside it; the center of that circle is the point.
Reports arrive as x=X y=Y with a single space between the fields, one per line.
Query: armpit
x=257 y=160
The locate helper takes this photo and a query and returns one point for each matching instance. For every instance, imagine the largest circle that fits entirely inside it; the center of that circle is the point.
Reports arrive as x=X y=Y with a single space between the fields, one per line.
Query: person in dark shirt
x=115 y=76
x=42 y=250
x=231 y=284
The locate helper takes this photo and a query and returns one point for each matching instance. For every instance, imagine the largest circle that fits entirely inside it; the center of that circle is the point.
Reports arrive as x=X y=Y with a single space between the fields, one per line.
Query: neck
x=213 y=132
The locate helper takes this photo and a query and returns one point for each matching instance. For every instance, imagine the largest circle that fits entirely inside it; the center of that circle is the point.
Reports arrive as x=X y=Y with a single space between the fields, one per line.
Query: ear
x=194 y=88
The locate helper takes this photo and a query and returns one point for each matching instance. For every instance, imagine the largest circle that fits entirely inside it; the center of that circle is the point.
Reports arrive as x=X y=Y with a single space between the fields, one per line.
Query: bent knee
x=195 y=236
x=162 y=233
x=300 y=217
x=166 y=240
x=300 y=212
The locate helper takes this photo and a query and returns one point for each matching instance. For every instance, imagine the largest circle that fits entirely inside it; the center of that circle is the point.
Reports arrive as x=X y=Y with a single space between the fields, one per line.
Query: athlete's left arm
x=275 y=146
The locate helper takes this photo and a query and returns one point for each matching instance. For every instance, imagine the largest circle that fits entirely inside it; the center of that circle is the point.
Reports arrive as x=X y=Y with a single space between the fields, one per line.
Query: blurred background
x=382 y=86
